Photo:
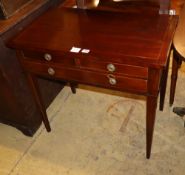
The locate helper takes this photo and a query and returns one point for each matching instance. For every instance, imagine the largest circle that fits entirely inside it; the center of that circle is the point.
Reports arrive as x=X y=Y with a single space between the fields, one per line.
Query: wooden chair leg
x=175 y=66
x=73 y=87
x=163 y=85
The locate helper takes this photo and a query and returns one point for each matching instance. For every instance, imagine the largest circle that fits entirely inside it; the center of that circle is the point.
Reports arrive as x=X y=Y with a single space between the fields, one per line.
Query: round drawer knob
x=112 y=81
x=48 y=57
x=111 y=67
x=51 y=71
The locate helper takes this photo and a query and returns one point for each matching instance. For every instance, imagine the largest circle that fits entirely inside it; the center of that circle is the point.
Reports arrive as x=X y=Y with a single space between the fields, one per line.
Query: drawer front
x=111 y=81
x=88 y=63
x=48 y=57
x=114 y=68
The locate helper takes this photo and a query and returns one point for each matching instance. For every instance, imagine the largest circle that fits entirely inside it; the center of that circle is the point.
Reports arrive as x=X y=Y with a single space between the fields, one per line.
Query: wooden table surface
x=79 y=28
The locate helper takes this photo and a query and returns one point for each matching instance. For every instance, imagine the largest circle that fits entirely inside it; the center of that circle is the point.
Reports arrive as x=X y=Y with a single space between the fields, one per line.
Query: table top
x=131 y=38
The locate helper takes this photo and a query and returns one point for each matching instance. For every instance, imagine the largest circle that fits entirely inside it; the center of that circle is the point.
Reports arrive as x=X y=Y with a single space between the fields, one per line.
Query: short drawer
x=124 y=83
x=49 y=57
x=114 y=68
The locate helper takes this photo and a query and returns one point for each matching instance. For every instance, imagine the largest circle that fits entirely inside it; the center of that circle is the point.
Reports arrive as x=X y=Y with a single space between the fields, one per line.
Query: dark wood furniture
x=128 y=52
x=7 y=8
x=17 y=106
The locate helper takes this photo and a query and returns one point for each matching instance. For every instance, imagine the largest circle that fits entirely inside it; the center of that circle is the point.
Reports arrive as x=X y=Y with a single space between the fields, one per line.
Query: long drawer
x=87 y=63
x=107 y=80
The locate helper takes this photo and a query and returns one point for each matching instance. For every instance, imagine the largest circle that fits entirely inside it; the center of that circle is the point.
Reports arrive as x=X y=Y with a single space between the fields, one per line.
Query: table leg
x=73 y=86
x=37 y=96
x=175 y=66
x=150 y=120
x=163 y=85
x=154 y=77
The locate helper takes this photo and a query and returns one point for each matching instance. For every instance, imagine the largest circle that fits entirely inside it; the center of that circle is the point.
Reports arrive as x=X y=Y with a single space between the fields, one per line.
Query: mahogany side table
x=120 y=51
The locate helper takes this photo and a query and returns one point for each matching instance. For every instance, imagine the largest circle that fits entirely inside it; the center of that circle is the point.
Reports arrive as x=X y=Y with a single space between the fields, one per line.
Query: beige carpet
x=97 y=133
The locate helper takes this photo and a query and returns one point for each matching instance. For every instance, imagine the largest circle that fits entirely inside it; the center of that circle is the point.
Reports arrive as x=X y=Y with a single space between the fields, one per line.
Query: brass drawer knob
x=51 y=71
x=112 y=79
x=48 y=57
x=111 y=67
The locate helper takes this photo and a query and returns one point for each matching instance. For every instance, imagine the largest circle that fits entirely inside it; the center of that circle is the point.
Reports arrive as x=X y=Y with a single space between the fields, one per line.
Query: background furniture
x=122 y=5
x=17 y=107
x=177 y=5
x=179 y=52
x=8 y=8
x=178 y=57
